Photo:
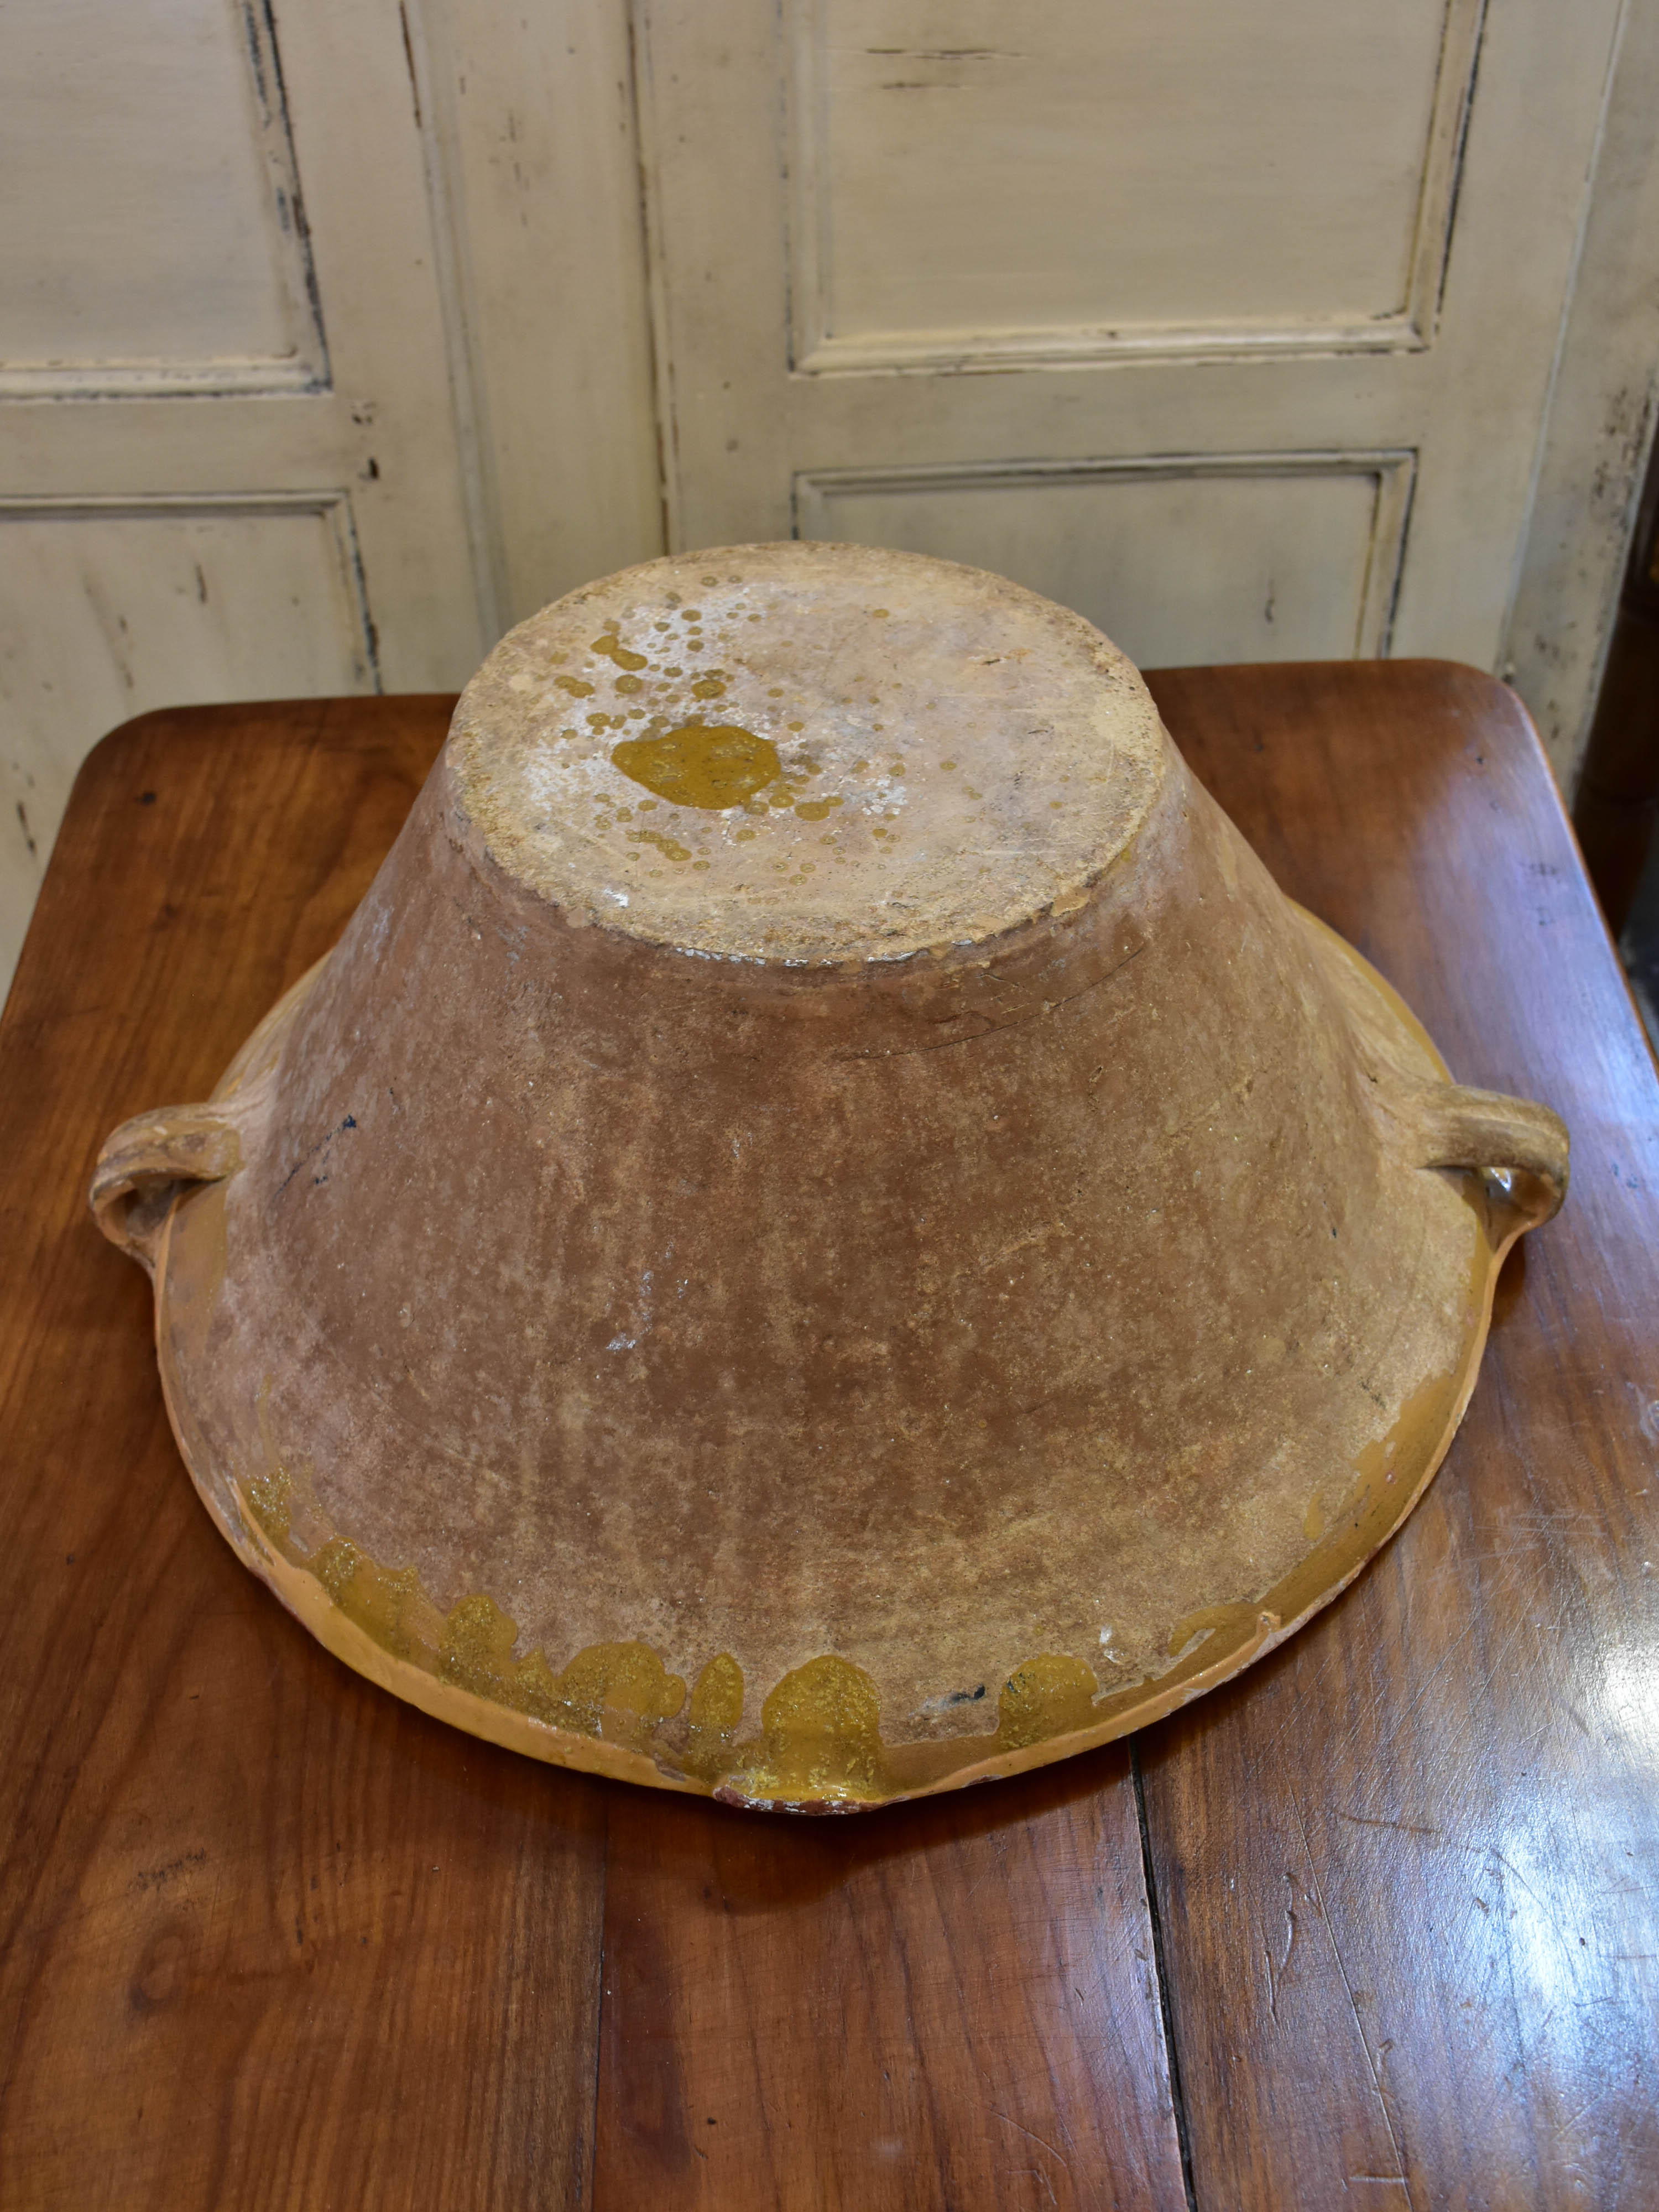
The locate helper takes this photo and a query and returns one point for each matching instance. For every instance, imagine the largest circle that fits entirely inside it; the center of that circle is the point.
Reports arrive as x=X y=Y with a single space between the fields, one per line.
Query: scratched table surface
x=1375 y=1925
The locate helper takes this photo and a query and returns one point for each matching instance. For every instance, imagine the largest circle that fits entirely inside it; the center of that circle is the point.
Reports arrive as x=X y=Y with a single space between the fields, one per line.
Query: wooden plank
x=953 y=2003
x=267 y=1937
x=1412 y=1860
x=111 y=608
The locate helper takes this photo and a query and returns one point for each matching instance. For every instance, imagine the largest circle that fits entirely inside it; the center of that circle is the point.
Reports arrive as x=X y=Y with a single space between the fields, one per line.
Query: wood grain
x=1415 y=1857
x=954 y=2004
x=270 y=1939
x=266 y=1937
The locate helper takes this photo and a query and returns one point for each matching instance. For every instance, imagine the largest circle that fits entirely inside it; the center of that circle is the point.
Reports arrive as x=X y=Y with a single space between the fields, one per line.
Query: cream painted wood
x=1465 y=273
x=1601 y=421
x=529 y=132
x=1290 y=560
x=325 y=484
x=151 y=239
x=1069 y=192
x=112 y=605
x=1272 y=364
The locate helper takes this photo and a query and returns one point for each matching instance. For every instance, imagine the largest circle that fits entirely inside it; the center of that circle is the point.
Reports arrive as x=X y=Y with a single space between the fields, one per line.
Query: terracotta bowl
x=826 y=1233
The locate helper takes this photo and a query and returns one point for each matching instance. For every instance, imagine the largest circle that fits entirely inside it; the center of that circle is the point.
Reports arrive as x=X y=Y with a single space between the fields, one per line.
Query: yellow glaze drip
x=382 y=1601
x=1049 y=1696
x=619 y=1691
x=336 y=1567
x=820 y=1739
x=713 y=765
x=477 y=1647
x=270 y=1501
x=822 y=1731
x=716 y=1712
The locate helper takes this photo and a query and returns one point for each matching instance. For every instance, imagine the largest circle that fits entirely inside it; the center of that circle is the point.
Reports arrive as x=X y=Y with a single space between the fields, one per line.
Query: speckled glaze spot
x=713 y=766
x=922 y=731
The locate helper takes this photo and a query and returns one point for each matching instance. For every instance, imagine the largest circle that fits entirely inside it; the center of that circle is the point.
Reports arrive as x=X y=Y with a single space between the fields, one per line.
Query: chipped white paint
x=1222 y=245
x=1253 y=529
x=301 y=453
x=528 y=124
x=115 y=605
x=1601 y=419
x=152 y=239
x=1072 y=179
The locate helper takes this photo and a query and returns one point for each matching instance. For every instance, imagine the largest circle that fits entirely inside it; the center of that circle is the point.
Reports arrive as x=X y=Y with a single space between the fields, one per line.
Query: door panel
x=1293 y=558
x=203 y=496
x=1324 y=231
x=1073 y=180
x=113 y=606
x=151 y=230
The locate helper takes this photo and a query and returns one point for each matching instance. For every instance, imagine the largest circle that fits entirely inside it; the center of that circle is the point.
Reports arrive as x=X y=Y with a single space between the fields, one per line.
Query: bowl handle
x=1524 y=1145
x=143 y=1165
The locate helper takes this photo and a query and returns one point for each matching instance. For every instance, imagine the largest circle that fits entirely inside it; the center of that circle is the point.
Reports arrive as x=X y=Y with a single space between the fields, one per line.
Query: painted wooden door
x=229 y=459
x=335 y=335
x=1232 y=325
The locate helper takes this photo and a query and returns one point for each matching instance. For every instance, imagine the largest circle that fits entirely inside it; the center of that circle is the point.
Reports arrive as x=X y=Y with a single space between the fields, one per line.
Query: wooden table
x=1373 y=1926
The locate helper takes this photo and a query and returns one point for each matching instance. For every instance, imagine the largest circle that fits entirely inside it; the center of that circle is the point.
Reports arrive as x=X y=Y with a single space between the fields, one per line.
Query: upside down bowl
x=826 y=1232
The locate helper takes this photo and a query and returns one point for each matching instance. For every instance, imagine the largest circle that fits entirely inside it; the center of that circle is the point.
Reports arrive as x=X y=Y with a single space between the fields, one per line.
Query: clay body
x=886 y=1264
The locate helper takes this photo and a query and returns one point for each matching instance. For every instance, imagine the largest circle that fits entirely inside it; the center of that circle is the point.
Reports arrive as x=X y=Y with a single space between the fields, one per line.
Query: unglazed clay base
x=826 y=1233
